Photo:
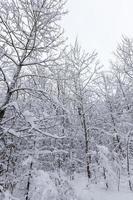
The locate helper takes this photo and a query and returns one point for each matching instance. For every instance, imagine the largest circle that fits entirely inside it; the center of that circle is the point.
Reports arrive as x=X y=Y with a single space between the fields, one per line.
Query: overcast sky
x=99 y=24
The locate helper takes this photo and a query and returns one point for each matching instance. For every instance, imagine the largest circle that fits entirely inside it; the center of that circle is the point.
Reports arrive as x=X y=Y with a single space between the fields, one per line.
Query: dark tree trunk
x=105 y=178
x=88 y=157
x=2 y=113
x=29 y=182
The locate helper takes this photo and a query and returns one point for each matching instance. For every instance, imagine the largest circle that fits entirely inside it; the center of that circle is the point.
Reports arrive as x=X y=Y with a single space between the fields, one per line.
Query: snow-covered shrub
x=46 y=186
x=42 y=187
x=64 y=188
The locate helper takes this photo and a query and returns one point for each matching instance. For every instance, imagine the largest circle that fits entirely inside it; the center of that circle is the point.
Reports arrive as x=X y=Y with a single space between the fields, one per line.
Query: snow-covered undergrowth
x=45 y=186
x=53 y=186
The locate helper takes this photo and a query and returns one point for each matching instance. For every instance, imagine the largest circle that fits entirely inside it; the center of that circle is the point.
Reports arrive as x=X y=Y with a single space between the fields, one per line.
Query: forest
x=64 y=120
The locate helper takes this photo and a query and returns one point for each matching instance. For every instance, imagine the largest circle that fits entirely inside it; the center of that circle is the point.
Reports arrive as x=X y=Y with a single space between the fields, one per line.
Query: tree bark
x=128 y=164
x=88 y=157
x=28 y=183
x=9 y=92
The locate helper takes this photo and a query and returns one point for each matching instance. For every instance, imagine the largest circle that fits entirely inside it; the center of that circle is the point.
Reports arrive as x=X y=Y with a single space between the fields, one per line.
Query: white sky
x=99 y=24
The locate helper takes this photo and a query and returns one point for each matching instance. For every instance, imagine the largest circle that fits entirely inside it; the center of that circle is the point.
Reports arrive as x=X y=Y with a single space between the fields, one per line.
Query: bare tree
x=30 y=42
x=29 y=38
x=84 y=69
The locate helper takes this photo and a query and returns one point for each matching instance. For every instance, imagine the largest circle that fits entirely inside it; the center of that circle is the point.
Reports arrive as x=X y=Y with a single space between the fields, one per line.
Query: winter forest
x=66 y=125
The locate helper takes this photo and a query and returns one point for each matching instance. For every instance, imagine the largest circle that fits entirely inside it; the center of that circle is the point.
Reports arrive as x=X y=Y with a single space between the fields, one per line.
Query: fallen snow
x=60 y=188
x=95 y=192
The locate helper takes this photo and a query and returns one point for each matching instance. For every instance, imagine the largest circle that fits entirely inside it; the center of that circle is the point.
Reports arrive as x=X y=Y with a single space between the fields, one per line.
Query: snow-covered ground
x=95 y=192
x=53 y=187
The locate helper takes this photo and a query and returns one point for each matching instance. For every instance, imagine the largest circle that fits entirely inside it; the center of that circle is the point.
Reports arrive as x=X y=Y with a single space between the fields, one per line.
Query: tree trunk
x=128 y=164
x=105 y=178
x=2 y=113
x=9 y=92
x=29 y=181
x=88 y=157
